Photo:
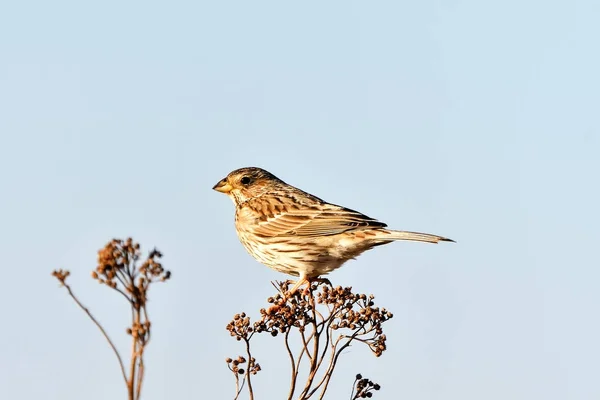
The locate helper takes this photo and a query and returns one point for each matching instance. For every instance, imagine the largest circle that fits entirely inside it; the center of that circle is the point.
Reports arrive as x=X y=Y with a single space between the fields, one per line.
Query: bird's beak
x=223 y=186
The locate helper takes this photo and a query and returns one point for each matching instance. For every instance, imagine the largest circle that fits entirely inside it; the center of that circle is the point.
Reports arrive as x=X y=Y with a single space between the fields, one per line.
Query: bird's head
x=247 y=183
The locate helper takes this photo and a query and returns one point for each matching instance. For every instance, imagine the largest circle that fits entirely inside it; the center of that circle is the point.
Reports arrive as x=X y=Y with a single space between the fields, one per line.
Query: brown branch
x=333 y=363
x=313 y=360
x=123 y=281
x=134 y=351
x=248 y=369
x=122 y=293
x=238 y=390
x=140 y=377
x=149 y=331
x=325 y=326
x=118 y=269
x=354 y=314
x=300 y=356
x=110 y=342
x=305 y=344
x=294 y=372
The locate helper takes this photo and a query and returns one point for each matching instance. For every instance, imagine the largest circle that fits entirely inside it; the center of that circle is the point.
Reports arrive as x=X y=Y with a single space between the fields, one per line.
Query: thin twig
x=300 y=356
x=250 y=391
x=238 y=389
x=315 y=358
x=134 y=355
x=325 y=326
x=122 y=280
x=148 y=331
x=305 y=344
x=123 y=294
x=294 y=374
x=110 y=342
x=352 y=396
x=140 y=377
x=243 y=383
x=333 y=363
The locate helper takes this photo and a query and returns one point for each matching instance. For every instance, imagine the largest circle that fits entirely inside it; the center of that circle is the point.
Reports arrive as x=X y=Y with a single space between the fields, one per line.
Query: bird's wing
x=320 y=219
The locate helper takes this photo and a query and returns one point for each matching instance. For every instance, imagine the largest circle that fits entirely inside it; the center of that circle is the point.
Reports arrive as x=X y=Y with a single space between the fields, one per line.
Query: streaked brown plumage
x=296 y=233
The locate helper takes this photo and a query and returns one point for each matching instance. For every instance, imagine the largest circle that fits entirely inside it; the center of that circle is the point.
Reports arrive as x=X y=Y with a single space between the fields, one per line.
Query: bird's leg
x=302 y=279
x=309 y=282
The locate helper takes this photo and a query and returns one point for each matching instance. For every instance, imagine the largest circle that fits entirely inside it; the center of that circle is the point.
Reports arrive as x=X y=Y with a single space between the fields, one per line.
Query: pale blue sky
x=470 y=119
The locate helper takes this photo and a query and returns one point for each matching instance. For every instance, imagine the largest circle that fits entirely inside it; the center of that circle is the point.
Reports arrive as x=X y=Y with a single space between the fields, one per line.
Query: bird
x=296 y=233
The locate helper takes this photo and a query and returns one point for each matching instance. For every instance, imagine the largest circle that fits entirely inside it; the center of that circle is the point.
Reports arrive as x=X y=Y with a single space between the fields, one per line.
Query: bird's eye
x=245 y=180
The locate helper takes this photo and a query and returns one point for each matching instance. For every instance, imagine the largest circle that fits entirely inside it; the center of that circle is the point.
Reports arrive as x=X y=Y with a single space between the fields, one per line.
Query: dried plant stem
x=249 y=369
x=238 y=389
x=134 y=359
x=335 y=354
x=322 y=337
x=300 y=357
x=293 y=363
x=119 y=270
x=110 y=342
x=140 y=378
x=314 y=359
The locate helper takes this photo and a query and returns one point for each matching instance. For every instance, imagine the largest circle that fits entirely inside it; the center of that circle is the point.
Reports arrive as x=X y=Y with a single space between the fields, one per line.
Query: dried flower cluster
x=61 y=275
x=328 y=320
x=237 y=366
x=325 y=319
x=239 y=327
x=119 y=269
x=117 y=266
x=363 y=388
x=357 y=312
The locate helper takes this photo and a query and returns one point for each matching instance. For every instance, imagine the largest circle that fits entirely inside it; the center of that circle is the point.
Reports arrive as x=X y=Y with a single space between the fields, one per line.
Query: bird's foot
x=299 y=282
x=308 y=281
x=322 y=280
x=287 y=294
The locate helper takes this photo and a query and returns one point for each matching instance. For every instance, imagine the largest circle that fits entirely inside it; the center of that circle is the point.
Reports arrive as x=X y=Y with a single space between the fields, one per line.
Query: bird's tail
x=417 y=237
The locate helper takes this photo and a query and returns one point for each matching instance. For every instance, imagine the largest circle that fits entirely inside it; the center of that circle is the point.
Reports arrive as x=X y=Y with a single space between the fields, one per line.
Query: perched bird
x=296 y=233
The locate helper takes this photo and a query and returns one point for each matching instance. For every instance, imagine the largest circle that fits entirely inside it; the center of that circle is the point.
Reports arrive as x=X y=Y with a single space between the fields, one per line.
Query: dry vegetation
x=119 y=268
x=313 y=327
x=324 y=320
